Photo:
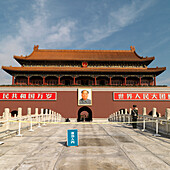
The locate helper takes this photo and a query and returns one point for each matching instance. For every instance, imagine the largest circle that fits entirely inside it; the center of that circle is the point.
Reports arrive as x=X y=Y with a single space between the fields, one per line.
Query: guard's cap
x=134 y=105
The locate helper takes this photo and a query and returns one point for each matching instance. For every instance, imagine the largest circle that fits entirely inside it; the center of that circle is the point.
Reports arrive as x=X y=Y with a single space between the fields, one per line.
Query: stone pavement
x=101 y=147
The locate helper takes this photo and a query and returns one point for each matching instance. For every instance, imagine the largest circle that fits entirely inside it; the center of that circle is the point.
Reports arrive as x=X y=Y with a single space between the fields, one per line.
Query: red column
x=74 y=81
x=140 y=81
x=110 y=83
x=28 y=80
x=13 y=79
x=59 y=80
x=95 y=83
x=43 y=80
x=125 y=81
x=154 y=81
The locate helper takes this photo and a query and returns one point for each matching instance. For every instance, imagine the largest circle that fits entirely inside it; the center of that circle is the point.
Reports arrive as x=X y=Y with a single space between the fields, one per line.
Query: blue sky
x=86 y=24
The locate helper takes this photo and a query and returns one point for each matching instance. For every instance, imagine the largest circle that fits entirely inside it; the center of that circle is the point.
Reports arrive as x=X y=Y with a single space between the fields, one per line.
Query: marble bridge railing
x=14 y=125
x=161 y=125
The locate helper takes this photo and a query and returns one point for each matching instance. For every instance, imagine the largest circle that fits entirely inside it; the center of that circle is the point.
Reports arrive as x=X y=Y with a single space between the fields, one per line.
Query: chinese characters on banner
x=28 y=96
x=141 y=96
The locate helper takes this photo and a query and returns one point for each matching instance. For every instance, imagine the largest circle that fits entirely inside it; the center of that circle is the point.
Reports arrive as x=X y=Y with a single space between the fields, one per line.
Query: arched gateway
x=84 y=113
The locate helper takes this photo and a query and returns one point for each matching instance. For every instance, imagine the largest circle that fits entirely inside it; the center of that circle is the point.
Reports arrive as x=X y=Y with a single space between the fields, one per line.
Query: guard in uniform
x=134 y=116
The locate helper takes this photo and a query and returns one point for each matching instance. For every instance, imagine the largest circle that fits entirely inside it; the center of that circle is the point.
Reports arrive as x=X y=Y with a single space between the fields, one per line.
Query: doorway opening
x=84 y=114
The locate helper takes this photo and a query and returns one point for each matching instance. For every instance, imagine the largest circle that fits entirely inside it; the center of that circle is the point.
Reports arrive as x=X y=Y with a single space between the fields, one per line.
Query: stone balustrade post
x=42 y=114
x=54 y=116
x=144 y=111
x=154 y=112
x=49 y=116
x=19 y=112
x=36 y=114
x=113 y=118
x=125 y=115
x=119 y=117
x=116 y=116
x=3 y=115
x=19 y=126
x=130 y=111
x=6 y=117
x=57 y=117
x=167 y=114
x=30 y=119
x=125 y=111
x=46 y=114
x=29 y=111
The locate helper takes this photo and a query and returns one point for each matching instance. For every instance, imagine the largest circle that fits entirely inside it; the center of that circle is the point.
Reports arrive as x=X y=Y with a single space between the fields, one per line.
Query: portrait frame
x=89 y=90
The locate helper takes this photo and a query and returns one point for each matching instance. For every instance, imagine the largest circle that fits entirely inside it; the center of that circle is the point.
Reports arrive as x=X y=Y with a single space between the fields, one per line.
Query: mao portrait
x=84 y=97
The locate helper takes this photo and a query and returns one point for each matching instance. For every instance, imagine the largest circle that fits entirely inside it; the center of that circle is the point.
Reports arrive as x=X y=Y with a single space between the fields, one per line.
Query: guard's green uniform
x=134 y=117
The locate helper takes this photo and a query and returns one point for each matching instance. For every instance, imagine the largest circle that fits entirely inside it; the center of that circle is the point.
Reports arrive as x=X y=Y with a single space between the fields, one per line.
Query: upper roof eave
x=84 y=55
x=19 y=58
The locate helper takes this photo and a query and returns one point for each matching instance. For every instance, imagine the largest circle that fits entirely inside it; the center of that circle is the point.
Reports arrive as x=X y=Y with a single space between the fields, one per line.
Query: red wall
x=102 y=104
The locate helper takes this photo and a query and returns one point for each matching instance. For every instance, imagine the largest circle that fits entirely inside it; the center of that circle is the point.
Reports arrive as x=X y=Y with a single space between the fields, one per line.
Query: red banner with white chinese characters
x=28 y=96
x=141 y=96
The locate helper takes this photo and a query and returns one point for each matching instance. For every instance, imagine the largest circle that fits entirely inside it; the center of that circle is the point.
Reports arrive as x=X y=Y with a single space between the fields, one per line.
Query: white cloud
x=117 y=20
x=34 y=31
x=61 y=33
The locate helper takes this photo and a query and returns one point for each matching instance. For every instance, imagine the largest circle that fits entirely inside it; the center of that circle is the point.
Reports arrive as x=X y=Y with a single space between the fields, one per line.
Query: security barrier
x=14 y=125
x=158 y=124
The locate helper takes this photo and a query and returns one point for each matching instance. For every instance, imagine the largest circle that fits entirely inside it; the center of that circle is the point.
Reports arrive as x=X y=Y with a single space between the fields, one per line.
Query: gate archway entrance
x=84 y=114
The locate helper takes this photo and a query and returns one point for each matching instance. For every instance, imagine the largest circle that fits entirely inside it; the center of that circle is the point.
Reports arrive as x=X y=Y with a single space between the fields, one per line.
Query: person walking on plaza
x=134 y=116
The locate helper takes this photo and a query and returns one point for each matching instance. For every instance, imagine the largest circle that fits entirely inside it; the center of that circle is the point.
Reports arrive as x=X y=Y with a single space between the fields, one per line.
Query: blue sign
x=72 y=137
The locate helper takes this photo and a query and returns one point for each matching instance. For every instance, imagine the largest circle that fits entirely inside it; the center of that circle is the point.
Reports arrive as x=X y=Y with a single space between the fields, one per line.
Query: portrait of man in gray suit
x=84 y=98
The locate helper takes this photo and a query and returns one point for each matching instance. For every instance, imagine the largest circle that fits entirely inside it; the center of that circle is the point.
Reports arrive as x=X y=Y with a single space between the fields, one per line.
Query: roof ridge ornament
x=132 y=48
x=36 y=47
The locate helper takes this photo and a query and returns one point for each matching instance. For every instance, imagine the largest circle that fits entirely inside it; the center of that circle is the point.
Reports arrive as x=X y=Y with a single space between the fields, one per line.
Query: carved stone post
x=144 y=111
x=19 y=126
x=29 y=111
x=6 y=116
x=154 y=112
x=167 y=114
x=36 y=114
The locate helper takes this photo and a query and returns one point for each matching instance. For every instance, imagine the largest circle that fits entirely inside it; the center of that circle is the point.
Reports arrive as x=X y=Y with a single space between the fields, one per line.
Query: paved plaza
x=101 y=147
